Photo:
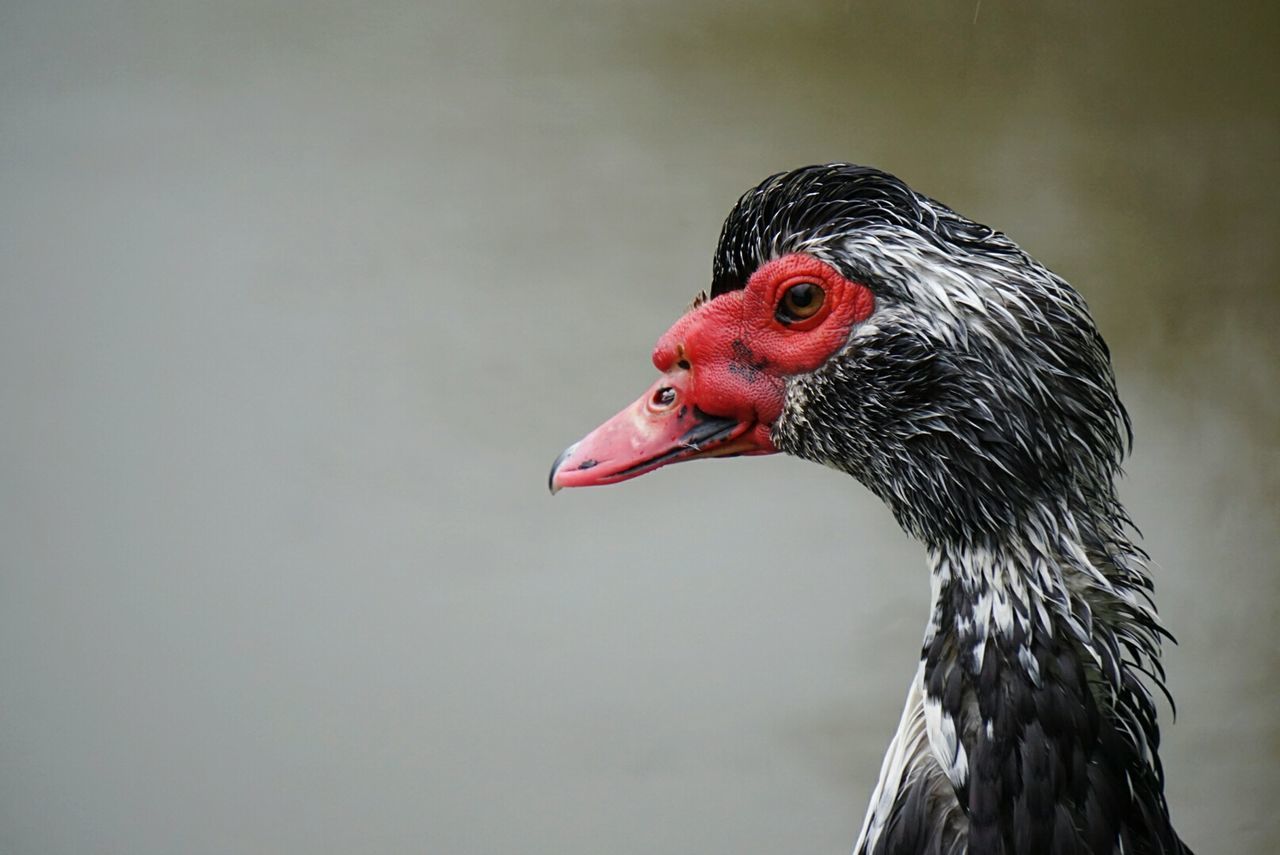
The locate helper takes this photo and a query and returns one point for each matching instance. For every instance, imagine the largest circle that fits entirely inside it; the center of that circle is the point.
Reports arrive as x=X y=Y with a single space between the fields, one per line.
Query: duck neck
x=1029 y=681
x=1072 y=582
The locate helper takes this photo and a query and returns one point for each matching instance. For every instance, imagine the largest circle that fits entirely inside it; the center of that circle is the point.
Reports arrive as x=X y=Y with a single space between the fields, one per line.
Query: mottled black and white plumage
x=978 y=401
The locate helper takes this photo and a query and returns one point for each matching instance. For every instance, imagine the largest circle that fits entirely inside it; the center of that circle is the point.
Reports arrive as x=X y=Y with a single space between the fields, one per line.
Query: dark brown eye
x=800 y=301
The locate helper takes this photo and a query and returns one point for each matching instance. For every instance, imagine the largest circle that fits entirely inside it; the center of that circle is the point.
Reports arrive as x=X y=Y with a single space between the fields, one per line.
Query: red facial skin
x=724 y=367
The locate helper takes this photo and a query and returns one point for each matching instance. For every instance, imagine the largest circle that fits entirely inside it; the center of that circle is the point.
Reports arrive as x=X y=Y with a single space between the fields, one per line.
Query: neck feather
x=1074 y=578
x=1032 y=673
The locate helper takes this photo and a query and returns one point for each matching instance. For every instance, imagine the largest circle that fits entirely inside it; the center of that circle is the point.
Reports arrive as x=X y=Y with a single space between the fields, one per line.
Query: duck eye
x=800 y=301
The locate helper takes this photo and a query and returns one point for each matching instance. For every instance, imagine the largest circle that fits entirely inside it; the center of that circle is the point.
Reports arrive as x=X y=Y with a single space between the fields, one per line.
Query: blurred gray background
x=299 y=300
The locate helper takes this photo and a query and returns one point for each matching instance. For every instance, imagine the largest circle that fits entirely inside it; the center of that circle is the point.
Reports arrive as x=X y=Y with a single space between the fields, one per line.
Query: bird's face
x=858 y=324
x=725 y=370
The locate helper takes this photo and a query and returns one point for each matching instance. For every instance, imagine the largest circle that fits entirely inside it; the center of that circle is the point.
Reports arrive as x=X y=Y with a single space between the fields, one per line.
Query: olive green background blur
x=299 y=300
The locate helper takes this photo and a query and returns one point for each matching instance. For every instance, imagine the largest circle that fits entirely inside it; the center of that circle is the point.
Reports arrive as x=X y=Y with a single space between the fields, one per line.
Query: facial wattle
x=726 y=377
x=724 y=369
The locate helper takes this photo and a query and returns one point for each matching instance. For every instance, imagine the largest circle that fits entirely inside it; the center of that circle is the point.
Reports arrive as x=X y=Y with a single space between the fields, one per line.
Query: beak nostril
x=664 y=398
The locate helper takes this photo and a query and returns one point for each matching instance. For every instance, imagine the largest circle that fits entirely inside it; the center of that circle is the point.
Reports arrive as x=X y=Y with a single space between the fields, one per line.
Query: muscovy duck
x=854 y=322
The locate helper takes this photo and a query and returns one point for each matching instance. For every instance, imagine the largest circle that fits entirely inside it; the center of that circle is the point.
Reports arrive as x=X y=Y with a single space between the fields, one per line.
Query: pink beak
x=663 y=426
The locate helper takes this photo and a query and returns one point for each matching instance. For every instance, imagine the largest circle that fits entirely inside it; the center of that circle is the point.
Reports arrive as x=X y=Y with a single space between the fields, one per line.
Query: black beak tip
x=551 y=478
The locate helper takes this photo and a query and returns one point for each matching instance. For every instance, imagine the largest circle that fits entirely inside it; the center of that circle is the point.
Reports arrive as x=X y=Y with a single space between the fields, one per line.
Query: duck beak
x=663 y=426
